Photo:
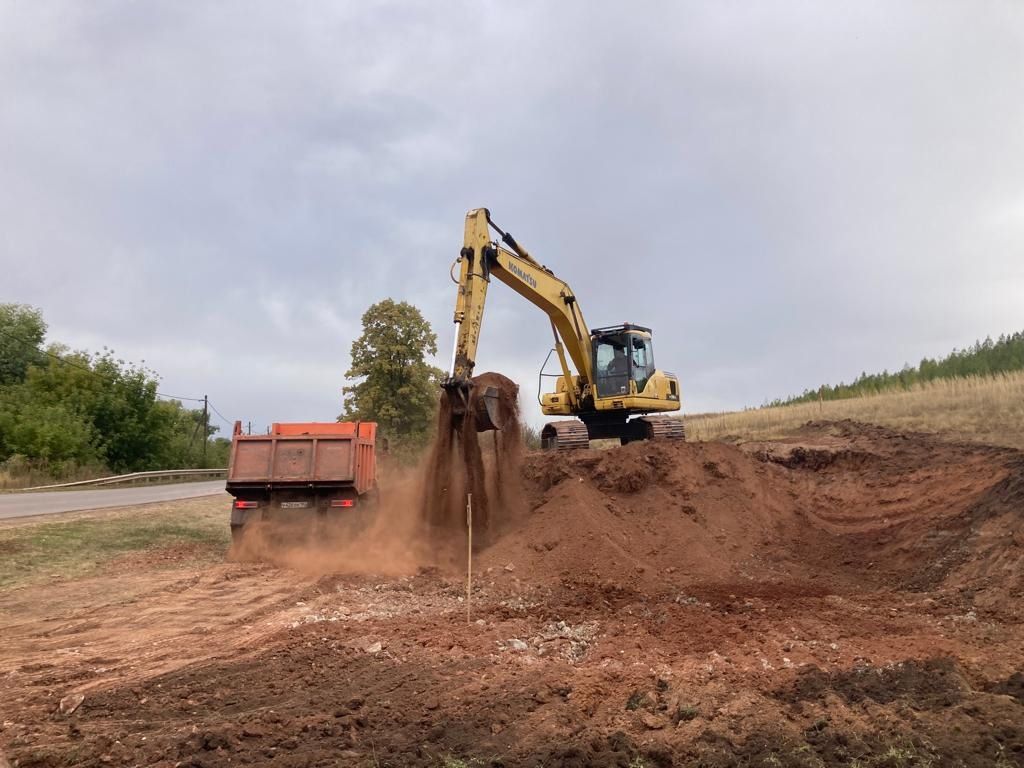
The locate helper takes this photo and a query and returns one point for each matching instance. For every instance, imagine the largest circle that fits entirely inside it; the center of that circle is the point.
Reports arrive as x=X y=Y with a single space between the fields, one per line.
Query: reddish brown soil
x=849 y=597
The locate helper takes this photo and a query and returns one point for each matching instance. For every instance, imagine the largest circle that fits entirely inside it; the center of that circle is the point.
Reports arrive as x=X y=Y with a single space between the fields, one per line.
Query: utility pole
x=206 y=426
x=249 y=430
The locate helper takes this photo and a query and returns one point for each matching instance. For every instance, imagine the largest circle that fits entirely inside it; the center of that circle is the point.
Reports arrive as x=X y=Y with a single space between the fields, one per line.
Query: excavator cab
x=622 y=354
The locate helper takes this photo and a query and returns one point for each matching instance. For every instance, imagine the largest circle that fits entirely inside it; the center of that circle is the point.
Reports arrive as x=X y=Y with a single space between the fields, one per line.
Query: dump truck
x=310 y=477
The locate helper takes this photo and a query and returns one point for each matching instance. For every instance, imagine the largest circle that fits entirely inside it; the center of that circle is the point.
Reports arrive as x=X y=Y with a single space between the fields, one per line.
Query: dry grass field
x=980 y=409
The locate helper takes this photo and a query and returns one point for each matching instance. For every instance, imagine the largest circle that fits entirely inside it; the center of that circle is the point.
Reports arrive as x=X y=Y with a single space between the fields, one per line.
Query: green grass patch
x=69 y=549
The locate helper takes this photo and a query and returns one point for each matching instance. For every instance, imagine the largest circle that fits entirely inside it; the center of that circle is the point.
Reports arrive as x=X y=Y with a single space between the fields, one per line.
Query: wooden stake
x=469 y=554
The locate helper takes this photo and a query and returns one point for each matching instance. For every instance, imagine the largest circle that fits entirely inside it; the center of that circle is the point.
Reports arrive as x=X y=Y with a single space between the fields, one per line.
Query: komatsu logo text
x=526 y=278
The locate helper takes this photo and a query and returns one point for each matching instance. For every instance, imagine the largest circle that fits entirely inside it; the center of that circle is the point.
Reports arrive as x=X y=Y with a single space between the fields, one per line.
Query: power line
x=179 y=397
x=214 y=409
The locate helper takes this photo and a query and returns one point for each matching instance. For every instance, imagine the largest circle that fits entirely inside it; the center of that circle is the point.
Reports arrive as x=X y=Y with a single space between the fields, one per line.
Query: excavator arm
x=483 y=258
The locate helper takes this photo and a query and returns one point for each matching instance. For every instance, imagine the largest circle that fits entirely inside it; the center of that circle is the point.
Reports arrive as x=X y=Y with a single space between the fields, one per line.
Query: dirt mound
x=845 y=504
x=648 y=515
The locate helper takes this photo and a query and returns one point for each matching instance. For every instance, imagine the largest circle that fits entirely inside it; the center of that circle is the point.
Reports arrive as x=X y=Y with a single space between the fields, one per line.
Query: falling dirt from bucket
x=463 y=461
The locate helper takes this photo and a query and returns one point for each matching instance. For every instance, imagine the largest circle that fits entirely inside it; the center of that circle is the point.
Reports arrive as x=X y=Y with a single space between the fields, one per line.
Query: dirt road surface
x=14 y=505
x=849 y=597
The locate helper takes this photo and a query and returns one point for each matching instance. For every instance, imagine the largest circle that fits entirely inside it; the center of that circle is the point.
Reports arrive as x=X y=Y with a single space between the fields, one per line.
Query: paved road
x=49 y=502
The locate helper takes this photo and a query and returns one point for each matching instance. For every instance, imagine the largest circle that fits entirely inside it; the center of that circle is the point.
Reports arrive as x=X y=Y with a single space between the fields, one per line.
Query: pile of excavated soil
x=836 y=509
x=645 y=515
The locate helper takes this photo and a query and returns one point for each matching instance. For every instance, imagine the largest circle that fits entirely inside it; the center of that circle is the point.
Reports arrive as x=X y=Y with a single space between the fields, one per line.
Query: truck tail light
x=239 y=504
x=343 y=502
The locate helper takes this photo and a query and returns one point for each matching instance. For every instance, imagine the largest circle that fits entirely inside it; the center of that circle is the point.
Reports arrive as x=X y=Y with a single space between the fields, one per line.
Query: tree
x=114 y=402
x=395 y=386
x=62 y=410
x=21 y=341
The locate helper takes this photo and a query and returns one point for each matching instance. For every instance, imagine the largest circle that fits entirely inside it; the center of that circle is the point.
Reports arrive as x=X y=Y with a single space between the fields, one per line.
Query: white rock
x=517 y=645
x=70 y=703
x=374 y=647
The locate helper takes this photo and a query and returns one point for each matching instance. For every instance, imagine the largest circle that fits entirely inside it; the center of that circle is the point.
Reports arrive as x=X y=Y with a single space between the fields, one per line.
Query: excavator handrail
x=541 y=376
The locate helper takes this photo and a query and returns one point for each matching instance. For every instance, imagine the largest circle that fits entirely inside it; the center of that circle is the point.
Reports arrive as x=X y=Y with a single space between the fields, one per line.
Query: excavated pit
x=850 y=596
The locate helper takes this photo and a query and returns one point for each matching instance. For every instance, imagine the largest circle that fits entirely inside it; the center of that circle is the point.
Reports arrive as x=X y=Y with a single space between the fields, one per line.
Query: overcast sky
x=788 y=193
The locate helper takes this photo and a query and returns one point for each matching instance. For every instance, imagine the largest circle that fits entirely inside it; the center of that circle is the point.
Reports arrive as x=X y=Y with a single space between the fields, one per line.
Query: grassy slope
x=78 y=543
x=981 y=409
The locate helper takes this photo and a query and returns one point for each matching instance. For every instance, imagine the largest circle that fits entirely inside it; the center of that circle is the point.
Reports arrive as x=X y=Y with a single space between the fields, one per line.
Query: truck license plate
x=294 y=504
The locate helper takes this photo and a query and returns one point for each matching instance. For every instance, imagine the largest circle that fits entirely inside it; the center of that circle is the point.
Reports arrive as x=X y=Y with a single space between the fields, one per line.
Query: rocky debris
x=515 y=644
x=70 y=703
x=651 y=721
x=571 y=643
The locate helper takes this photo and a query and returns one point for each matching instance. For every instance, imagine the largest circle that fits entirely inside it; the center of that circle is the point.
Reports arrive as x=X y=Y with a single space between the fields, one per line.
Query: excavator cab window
x=611 y=360
x=619 y=357
x=641 y=363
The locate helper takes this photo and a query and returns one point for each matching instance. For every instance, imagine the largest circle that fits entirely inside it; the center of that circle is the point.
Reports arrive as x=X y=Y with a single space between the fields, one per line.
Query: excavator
x=616 y=390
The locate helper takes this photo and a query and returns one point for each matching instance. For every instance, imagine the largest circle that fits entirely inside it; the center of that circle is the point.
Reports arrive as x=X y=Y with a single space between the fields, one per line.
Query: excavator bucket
x=487 y=412
x=480 y=402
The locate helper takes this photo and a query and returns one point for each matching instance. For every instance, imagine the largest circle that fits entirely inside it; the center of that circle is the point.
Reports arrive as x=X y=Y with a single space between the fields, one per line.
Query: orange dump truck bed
x=329 y=453
x=302 y=473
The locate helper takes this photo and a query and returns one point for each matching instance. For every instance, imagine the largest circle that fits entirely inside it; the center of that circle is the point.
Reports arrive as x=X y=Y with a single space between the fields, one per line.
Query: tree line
x=983 y=358
x=65 y=412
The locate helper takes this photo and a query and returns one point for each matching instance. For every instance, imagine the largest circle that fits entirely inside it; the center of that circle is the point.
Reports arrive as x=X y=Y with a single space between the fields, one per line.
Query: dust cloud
x=419 y=518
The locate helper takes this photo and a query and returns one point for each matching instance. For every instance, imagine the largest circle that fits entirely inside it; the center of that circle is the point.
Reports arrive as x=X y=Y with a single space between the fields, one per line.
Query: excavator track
x=663 y=428
x=568 y=435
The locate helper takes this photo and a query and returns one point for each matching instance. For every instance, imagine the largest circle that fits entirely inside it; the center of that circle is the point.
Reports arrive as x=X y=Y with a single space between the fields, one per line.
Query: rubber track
x=570 y=435
x=664 y=428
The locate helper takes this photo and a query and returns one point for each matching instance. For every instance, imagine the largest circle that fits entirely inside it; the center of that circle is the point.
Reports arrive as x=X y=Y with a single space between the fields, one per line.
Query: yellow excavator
x=616 y=385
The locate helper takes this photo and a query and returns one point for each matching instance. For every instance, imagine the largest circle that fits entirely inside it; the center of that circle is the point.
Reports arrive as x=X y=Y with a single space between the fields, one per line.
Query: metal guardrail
x=139 y=478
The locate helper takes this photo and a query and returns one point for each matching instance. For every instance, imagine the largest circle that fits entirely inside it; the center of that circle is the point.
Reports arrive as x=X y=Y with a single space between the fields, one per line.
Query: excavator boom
x=479 y=261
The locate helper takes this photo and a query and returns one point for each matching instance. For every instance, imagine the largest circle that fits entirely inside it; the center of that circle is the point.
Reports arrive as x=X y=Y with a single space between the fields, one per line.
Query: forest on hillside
x=983 y=358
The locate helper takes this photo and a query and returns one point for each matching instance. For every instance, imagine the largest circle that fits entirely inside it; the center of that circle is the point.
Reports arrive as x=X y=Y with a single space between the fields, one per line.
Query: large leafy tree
x=394 y=384
x=61 y=409
x=21 y=341
x=85 y=408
